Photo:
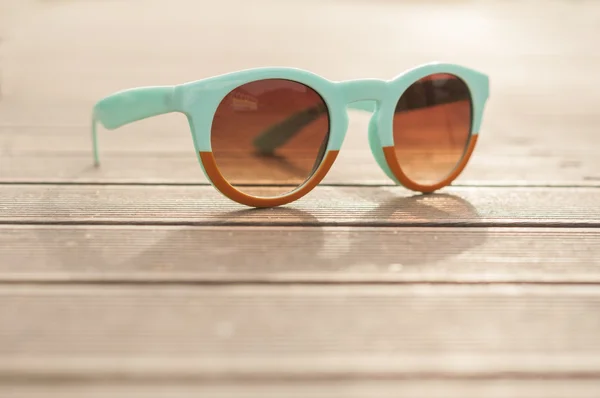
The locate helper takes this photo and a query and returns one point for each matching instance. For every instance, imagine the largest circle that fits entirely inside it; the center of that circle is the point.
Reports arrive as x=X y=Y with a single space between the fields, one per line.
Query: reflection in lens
x=247 y=113
x=432 y=126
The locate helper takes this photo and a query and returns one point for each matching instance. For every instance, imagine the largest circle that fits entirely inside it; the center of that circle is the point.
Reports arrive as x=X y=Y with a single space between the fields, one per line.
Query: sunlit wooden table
x=139 y=279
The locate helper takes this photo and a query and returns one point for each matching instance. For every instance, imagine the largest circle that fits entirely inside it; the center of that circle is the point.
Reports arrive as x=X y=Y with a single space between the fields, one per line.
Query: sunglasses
x=265 y=137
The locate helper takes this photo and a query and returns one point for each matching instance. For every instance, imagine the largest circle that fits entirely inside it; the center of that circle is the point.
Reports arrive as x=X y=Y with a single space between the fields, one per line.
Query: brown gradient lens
x=269 y=136
x=432 y=126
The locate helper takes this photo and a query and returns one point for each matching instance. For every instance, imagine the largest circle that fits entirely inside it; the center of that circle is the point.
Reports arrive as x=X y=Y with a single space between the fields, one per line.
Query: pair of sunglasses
x=265 y=137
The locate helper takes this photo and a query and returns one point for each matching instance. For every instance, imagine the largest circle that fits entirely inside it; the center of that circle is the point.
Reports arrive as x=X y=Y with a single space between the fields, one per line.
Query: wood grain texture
x=430 y=388
x=299 y=331
x=487 y=289
x=381 y=206
x=161 y=151
x=101 y=254
x=352 y=167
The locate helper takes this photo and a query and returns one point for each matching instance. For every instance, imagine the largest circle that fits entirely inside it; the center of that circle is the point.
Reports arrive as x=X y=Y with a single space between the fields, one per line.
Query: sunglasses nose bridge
x=366 y=95
x=364 y=90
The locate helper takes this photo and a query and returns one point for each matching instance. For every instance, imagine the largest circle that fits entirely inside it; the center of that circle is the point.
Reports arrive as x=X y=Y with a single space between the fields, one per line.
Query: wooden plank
x=352 y=167
x=107 y=254
x=503 y=388
x=377 y=206
x=231 y=332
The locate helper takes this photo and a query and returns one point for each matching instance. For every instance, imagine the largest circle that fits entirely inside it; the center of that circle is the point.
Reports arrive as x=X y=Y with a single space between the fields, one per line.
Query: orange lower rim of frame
x=212 y=170
x=394 y=165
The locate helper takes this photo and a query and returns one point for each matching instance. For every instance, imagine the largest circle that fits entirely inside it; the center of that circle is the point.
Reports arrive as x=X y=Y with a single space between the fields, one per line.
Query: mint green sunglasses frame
x=199 y=99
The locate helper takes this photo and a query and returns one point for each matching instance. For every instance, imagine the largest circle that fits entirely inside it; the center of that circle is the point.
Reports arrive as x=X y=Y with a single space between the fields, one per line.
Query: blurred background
x=57 y=57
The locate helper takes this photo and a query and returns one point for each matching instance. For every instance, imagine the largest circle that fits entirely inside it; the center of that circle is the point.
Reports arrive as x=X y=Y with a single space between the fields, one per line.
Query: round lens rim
x=320 y=169
x=394 y=163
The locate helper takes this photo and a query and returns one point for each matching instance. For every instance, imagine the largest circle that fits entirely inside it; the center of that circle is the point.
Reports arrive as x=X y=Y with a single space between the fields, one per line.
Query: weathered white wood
x=464 y=338
x=353 y=388
x=299 y=331
x=325 y=205
x=189 y=255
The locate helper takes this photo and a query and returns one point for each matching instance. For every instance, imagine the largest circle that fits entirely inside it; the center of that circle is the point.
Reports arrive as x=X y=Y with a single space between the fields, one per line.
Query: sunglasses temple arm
x=129 y=106
x=95 y=141
x=277 y=135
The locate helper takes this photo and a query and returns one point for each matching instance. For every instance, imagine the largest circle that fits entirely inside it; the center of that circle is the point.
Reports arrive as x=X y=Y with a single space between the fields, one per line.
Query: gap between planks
x=407 y=388
x=586 y=183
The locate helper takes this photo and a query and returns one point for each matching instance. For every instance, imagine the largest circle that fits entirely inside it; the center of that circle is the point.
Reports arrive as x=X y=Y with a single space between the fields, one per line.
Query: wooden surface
x=137 y=279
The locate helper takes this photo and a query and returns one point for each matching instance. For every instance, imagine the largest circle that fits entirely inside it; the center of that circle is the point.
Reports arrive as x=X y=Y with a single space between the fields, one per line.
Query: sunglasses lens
x=269 y=136
x=432 y=126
